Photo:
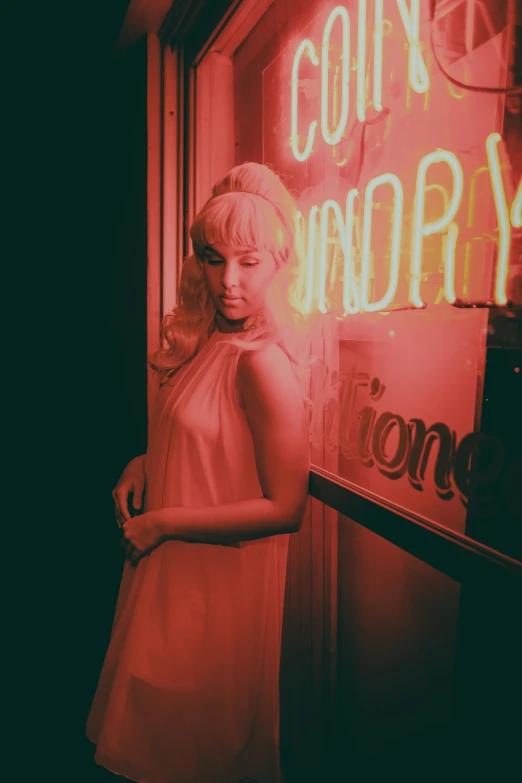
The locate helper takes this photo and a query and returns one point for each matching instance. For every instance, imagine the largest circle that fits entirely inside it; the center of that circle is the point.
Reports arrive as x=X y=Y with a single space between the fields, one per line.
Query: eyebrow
x=210 y=250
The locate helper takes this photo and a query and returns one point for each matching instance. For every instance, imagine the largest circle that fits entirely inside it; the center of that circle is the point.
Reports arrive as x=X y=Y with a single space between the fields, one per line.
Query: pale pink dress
x=189 y=690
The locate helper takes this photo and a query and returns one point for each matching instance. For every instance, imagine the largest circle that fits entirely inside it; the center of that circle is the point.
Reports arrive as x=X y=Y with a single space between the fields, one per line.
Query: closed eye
x=216 y=261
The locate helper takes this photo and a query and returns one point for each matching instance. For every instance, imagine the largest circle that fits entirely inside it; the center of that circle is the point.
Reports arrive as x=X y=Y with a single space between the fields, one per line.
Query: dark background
x=76 y=366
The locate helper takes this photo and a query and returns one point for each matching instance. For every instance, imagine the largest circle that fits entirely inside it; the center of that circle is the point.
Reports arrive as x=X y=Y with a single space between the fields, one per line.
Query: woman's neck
x=247 y=324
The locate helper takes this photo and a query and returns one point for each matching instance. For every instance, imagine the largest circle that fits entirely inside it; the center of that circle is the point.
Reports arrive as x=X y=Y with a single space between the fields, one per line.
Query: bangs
x=238 y=219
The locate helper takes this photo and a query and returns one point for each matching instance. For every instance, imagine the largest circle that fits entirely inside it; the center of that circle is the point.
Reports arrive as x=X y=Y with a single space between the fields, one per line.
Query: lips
x=230 y=298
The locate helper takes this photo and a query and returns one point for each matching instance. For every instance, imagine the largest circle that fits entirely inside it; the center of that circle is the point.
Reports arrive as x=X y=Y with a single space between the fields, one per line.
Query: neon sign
x=335 y=137
x=417 y=71
x=395 y=182
x=355 y=294
x=516 y=208
x=422 y=229
x=327 y=224
x=304 y=46
x=502 y=217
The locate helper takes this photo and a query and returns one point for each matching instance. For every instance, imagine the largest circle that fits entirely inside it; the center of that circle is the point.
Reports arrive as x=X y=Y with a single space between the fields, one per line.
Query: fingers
x=119 y=519
x=120 y=496
x=117 y=508
x=132 y=480
x=131 y=554
x=123 y=501
x=137 y=499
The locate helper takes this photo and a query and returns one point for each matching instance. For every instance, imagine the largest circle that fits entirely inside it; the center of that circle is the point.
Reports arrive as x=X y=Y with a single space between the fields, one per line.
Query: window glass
x=408 y=195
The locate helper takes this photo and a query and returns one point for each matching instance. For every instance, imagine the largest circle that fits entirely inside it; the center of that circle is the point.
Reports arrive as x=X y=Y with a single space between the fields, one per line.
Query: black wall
x=79 y=372
x=123 y=174
x=124 y=390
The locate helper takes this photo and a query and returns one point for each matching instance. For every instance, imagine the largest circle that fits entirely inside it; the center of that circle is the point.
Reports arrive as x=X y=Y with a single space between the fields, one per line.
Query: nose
x=230 y=277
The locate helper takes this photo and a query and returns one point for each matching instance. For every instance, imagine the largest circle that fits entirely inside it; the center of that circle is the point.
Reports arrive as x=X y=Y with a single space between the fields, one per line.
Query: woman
x=189 y=691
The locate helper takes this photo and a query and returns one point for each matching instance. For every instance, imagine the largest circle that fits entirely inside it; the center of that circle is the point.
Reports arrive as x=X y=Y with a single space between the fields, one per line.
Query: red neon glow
x=470 y=222
x=394 y=181
x=335 y=137
x=449 y=247
x=310 y=253
x=334 y=206
x=355 y=295
x=351 y=297
x=334 y=107
x=469 y=28
x=417 y=71
x=504 y=226
x=377 y=55
x=361 y=61
x=422 y=229
x=307 y=46
x=516 y=208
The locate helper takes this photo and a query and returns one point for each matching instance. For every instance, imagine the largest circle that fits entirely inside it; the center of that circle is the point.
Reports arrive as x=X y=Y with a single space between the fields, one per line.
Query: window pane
x=406 y=221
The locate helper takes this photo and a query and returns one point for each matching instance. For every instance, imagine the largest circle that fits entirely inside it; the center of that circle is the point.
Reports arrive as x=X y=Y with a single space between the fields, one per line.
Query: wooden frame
x=452 y=553
x=164 y=191
x=234 y=28
x=154 y=208
x=172 y=170
x=214 y=124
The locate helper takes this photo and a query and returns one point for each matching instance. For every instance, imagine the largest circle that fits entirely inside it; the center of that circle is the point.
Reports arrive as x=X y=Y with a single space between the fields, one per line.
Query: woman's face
x=238 y=278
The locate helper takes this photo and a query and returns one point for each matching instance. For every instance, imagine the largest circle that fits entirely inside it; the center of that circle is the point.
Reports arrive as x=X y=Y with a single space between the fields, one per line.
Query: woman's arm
x=133 y=480
x=279 y=425
x=224 y=524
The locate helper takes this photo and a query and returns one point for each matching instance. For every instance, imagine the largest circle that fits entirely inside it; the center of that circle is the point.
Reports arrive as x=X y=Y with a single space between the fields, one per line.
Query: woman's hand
x=141 y=535
x=131 y=480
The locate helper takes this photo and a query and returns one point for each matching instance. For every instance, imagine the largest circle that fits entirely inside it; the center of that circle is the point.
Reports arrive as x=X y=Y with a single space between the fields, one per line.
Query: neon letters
x=417 y=71
x=304 y=46
x=407 y=236
x=422 y=229
x=356 y=288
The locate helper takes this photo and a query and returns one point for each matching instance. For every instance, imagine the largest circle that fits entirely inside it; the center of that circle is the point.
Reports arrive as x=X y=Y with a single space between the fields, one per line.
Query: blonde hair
x=250 y=206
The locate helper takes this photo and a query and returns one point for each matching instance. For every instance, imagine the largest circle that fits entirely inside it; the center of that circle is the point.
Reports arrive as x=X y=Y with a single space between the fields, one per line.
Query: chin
x=233 y=313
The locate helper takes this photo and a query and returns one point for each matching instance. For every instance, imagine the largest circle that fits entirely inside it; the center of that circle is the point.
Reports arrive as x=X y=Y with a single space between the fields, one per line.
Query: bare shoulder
x=276 y=415
x=267 y=377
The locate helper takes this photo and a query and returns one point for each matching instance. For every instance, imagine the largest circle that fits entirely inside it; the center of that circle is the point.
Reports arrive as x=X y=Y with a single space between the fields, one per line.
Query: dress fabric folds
x=189 y=689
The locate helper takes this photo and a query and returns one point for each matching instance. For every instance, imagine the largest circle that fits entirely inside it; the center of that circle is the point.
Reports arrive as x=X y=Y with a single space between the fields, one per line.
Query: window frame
x=185 y=158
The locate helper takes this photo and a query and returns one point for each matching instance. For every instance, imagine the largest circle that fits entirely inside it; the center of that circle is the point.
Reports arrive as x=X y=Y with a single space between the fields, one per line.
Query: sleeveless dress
x=189 y=689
